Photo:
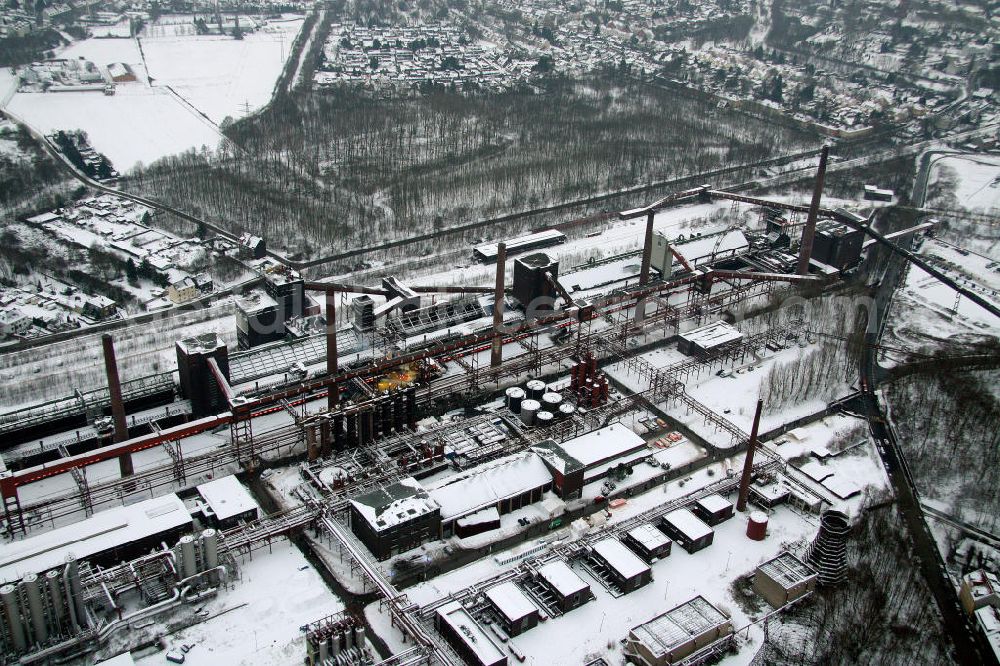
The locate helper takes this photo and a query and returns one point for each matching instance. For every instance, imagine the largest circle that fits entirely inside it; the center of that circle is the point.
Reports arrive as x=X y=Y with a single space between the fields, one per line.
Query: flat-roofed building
x=687 y=529
x=227 y=502
x=713 y=509
x=625 y=569
x=648 y=542
x=395 y=519
x=568 y=589
x=676 y=634
x=516 y=612
x=784 y=579
x=590 y=457
x=469 y=639
x=979 y=588
x=707 y=340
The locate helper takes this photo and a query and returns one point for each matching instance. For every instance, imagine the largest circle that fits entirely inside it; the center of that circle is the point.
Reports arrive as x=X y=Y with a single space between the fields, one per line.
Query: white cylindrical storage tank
x=543 y=418
x=359 y=636
x=566 y=410
x=33 y=591
x=529 y=409
x=324 y=651
x=513 y=397
x=536 y=389
x=189 y=565
x=335 y=644
x=8 y=597
x=210 y=548
x=53 y=582
x=75 y=591
x=551 y=401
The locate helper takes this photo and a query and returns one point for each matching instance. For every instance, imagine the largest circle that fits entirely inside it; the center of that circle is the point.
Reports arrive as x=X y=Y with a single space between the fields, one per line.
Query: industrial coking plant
x=503 y=425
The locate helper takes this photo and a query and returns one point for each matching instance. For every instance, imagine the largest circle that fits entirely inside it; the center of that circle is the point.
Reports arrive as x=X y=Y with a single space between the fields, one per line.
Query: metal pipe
x=496 y=353
x=741 y=502
x=647 y=249
x=809 y=232
x=114 y=388
x=333 y=394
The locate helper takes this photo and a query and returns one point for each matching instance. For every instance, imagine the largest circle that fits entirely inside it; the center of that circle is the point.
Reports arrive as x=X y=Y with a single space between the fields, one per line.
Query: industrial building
x=784 y=579
x=648 y=542
x=262 y=314
x=671 y=637
x=623 y=568
x=534 y=275
x=566 y=588
x=227 y=503
x=979 y=588
x=713 y=509
x=590 y=457
x=837 y=245
x=515 y=611
x=686 y=529
x=395 y=519
x=465 y=635
x=488 y=251
x=708 y=340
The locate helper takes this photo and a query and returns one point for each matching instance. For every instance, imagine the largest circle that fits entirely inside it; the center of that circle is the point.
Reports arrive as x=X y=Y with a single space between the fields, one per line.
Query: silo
x=536 y=389
x=566 y=410
x=210 y=548
x=828 y=552
x=8 y=597
x=33 y=591
x=57 y=598
x=551 y=401
x=543 y=418
x=757 y=525
x=514 y=396
x=76 y=591
x=189 y=564
x=529 y=408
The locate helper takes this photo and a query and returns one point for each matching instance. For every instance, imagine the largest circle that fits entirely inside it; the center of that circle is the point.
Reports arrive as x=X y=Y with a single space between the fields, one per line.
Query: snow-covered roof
x=488 y=515
x=702 y=248
x=562 y=579
x=510 y=601
x=101 y=532
x=594 y=447
x=816 y=471
x=714 y=503
x=469 y=632
x=842 y=487
x=786 y=570
x=649 y=536
x=489 y=250
x=124 y=659
x=394 y=504
x=666 y=632
x=488 y=484
x=713 y=335
x=620 y=558
x=688 y=524
x=227 y=497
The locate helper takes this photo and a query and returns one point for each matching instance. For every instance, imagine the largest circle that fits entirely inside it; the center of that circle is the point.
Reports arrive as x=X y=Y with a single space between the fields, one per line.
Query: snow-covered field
x=218 y=75
x=978 y=180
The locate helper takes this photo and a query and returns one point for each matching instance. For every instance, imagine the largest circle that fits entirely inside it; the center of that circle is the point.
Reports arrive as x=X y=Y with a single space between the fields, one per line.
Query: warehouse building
x=678 y=633
x=516 y=612
x=686 y=529
x=465 y=635
x=979 y=588
x=568 y=590
x=623 y=567
x=648 y=542
x=590 y=457
x=104 y=539
x=784 y=579
x=713 y=509
x=395 y=519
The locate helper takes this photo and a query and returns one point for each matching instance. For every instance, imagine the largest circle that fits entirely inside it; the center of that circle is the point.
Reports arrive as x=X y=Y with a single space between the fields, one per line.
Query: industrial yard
x=663 y=446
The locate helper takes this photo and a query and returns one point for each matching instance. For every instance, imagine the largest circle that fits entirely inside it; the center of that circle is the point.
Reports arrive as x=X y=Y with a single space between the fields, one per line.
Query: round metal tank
x=210 y=548
x=551 y=401
x=33 y=591
x=543 y=418
x=514 y=396
x=566 y=410
x=8 y=597
x=529 y=409
x=536 y=389
x=757 y=525
x=189 y=564
x=53 y=581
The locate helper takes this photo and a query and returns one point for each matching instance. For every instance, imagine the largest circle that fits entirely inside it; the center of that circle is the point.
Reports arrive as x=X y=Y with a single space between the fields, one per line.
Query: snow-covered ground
x=257 y=621
x=977 y=186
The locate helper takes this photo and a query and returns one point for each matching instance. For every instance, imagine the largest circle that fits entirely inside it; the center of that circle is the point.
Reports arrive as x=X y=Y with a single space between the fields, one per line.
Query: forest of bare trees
x=322 y=171
x=949 y=430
